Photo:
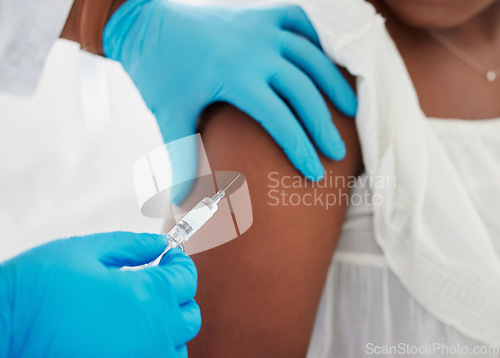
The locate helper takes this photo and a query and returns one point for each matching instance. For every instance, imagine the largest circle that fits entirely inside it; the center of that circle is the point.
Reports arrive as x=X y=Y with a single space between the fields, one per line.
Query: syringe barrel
x=179 y=234
x=192 y=222
x=187 y=227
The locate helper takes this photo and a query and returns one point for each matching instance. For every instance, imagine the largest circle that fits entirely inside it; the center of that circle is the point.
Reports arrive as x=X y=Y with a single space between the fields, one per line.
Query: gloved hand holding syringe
x=192 y=222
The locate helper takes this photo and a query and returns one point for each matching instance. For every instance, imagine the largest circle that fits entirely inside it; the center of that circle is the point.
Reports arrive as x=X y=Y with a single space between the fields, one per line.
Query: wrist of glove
x=86 y=22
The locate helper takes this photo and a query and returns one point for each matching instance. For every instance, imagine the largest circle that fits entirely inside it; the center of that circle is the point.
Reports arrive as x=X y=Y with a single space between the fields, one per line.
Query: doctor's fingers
x=182 y=351
x=302 y=95
x=120 y=248
x=176 y=274
x=181 y=323
x=176 y=278
x=294 y=19
x=323 y=72
x=191 y=322
x=259 y=101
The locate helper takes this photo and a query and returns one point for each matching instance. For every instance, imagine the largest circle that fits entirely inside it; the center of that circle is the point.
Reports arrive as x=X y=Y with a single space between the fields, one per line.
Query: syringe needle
x=227 y=187
x=222 y=193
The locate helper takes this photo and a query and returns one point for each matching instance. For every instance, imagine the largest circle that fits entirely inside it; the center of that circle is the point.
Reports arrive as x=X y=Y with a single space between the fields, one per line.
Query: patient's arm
x=259 y=293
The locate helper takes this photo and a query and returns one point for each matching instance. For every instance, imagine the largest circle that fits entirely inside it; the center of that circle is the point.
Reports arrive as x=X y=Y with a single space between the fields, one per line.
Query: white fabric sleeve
x=28 y=28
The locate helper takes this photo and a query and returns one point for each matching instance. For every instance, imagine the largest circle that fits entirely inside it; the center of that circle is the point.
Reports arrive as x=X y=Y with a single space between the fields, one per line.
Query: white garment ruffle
x=429 y=229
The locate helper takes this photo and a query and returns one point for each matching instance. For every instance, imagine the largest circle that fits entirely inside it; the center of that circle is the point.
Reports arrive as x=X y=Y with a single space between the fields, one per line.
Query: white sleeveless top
x=364 y=305
x=421 y=269
x=429 y=266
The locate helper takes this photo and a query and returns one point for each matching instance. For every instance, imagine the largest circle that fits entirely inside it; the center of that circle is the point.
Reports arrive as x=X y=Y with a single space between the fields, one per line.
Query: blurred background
x=67 y=153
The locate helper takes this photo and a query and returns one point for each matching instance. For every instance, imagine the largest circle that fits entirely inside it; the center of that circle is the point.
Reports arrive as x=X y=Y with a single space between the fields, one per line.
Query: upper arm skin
x=259 y=293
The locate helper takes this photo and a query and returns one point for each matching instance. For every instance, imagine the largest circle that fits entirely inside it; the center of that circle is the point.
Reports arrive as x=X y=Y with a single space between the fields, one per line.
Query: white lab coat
x=28 y=29
x=66 y=152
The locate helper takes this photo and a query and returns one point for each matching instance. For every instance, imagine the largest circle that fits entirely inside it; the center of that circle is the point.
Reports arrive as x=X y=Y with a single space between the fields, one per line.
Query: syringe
x=192 y=222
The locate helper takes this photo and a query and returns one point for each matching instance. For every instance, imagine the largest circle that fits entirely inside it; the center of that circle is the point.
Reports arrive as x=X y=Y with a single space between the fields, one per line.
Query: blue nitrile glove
x=68 y=298
x=183 y=58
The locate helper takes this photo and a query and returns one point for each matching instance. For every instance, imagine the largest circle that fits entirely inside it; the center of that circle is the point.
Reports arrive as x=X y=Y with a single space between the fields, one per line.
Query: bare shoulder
x=265 y=285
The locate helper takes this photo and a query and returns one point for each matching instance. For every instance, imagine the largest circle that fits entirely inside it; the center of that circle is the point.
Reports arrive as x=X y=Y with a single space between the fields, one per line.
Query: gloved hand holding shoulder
x=267 y=62
x=68 y=298
x=183 y=58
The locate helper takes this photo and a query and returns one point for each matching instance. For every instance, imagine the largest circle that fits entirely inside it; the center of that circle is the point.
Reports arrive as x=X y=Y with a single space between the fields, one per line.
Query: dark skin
x=446 y=87
x=259 y=293
x=264 y=280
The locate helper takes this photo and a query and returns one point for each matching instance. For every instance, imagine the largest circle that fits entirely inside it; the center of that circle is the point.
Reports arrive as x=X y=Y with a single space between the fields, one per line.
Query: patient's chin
x=436 y=14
